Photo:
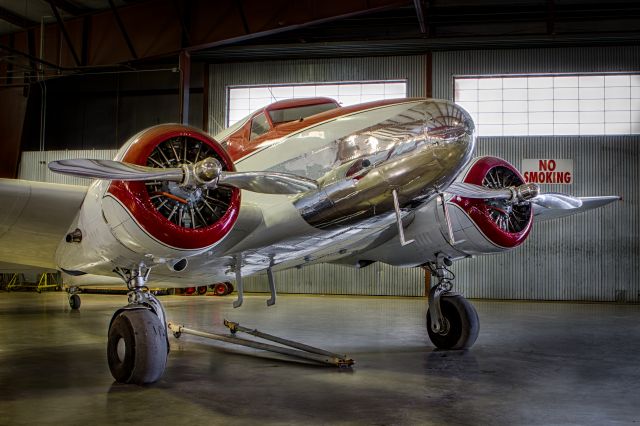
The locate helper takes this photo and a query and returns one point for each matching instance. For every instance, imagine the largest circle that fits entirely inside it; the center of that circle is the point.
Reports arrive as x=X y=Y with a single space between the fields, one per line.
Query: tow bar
x=301 y=350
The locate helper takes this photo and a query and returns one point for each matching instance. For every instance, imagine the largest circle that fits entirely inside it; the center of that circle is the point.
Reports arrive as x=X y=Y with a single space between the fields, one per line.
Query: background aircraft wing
x=34 y=217
x=542 y=213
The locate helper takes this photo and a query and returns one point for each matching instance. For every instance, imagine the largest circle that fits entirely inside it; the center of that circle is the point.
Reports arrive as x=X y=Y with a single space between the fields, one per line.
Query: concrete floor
x=534 y=363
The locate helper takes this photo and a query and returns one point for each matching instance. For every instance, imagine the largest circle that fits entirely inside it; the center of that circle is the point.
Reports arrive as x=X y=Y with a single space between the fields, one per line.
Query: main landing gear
x=138 y=346
x=452 y=322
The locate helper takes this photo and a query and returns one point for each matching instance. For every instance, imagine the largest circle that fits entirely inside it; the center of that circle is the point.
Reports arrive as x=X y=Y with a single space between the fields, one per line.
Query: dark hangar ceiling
x=53 y=37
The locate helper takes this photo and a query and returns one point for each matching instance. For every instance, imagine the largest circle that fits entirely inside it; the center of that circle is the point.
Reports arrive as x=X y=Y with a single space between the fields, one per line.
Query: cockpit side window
x=296 y=113
x=259 y=126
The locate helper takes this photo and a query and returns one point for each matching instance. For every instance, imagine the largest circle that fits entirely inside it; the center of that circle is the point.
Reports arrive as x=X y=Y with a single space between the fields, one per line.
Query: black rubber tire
x=221 y=289
x=202 y=290
x=230 y=287
x=464 y=324
x=145 y=347
x=74 y=302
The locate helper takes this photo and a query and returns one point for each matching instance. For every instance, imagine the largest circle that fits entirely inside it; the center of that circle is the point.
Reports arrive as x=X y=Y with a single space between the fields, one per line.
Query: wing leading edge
x=542 y=213
x=34 y=218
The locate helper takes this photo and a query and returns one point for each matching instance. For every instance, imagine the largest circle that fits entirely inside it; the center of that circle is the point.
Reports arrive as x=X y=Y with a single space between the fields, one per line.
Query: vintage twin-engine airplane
x=295 y=183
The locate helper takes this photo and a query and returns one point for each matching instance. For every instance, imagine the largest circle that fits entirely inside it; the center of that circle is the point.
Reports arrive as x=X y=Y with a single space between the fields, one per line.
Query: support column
x=185 y=86
x=429 y=76
x=13 y=105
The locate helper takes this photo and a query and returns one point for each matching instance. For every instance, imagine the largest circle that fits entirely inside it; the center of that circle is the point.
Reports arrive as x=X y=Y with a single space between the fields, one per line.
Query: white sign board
x=549 y=170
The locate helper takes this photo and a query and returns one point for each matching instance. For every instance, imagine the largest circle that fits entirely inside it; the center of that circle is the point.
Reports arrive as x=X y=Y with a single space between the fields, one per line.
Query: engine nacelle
x=485 y=226
x=473 y=226
x=154 y=221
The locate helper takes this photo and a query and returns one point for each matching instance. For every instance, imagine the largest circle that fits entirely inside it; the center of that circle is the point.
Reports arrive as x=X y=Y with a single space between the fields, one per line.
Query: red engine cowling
x=505 y=226
x=174 y=217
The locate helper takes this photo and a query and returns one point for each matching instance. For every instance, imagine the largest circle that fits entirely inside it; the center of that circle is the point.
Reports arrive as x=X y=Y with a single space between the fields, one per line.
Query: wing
x=541 y=213
x=34 y=218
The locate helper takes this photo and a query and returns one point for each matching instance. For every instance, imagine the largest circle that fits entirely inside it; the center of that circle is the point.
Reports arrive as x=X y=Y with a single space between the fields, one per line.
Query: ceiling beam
x=15 y=19
x=423 y=25
x=323 y=14
x=65 y=34
x=70 y=8
x=33 y=58
x=243 y=16
x=184 y=17
x=123 y=30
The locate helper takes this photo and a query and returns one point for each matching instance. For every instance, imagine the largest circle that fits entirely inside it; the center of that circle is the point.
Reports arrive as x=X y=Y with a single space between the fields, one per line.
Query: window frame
x=599 y=101
x=274 y=98
x=267 y=120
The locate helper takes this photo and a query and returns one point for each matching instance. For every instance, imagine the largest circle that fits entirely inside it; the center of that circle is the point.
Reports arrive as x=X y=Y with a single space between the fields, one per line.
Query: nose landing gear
x=452 y=322
x=137 y=346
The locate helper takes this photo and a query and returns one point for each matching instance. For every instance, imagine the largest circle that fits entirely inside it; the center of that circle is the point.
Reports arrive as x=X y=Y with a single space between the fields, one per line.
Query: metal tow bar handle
x=302 y=351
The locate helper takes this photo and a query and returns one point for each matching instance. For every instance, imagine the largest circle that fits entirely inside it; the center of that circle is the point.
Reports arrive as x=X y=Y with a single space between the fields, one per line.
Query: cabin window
x=259 y=126
x=292 y=114
x=243 y=100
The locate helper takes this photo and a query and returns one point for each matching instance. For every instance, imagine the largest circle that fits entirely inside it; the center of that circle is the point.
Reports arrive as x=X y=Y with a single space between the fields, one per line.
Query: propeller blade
x=206 y=172
x=525 y=192
x=267 y=182
x=469 y=190
x=555 y=200
x=114 y=170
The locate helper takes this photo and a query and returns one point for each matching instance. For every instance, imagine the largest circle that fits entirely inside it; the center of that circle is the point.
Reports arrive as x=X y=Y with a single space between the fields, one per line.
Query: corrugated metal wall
x=595 y=256
x=376 y=279
x=33 y=164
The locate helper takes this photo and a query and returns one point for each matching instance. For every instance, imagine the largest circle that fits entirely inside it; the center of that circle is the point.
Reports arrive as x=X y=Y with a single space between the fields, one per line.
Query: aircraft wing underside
x=34 y=218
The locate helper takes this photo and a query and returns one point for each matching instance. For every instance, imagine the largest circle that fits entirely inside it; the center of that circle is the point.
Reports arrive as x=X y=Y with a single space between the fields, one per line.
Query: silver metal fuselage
x=415 y=147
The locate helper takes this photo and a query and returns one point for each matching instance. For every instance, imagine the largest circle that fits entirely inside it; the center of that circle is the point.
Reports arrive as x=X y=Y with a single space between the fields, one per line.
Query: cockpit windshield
x=296 y=113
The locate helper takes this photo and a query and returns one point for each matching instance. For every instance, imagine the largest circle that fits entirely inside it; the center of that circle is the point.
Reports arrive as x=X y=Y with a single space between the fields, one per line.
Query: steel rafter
x=420 y=12
x=65 y=34
x=15 y=19
x=184 y=17
x=243 y=16
x=123 y=30
x=28 y=56
x=70 y=8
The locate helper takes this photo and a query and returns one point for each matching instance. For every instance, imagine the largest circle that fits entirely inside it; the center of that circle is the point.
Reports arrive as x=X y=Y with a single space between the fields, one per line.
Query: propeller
x=207 y=172
x=528 y=192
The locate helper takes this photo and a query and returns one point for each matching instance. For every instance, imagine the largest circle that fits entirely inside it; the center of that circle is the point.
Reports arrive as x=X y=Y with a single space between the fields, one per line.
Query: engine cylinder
x=491 y=225
x=166 y=217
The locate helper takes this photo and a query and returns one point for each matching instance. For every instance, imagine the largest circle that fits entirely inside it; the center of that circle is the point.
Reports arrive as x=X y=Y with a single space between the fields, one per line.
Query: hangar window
x=242 y=100
x=559 y=104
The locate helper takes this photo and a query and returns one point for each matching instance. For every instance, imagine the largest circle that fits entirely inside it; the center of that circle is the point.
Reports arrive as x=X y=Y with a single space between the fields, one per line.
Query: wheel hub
x=121 y=349
x=445 y=326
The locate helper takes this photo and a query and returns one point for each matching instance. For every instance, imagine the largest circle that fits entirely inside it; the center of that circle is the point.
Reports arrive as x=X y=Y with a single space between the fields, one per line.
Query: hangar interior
x=80 y=77
x=103 y=105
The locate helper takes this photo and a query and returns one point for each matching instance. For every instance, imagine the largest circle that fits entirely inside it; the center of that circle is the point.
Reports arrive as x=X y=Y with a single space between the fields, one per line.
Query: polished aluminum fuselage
x=414 y=147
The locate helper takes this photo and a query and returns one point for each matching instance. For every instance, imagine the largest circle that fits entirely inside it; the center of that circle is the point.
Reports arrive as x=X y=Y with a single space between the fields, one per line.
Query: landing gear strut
x=452 y=322
x=74 y=299
x=137 y=346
